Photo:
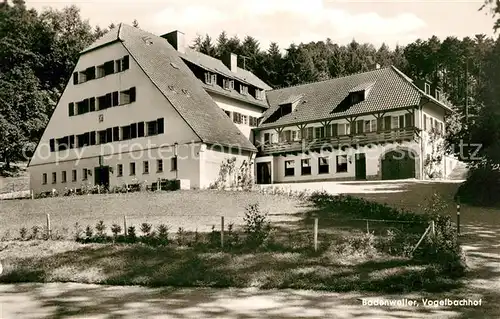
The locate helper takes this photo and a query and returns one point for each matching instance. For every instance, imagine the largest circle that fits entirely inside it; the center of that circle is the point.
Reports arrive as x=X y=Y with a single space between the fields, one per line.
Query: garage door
x=398 y=165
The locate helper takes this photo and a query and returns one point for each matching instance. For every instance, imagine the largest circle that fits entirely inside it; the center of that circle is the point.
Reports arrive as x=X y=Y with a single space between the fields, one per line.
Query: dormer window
x=259 y=94
x=243 y=89
x=357 y=97
x=427 y=88
x=438 y=95
x=228 y=84
x=209 y=78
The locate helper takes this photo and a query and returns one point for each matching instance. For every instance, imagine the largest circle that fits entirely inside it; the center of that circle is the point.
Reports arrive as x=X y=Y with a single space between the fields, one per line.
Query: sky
x=293 y=21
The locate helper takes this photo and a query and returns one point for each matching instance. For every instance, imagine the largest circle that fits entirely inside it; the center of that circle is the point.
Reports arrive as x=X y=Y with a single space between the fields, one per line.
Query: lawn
x=191 y=210
x=347 y=259
x=17 y=183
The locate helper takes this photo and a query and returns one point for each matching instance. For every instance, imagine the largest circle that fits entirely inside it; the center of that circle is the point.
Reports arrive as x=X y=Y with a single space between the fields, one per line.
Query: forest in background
x=38 y=51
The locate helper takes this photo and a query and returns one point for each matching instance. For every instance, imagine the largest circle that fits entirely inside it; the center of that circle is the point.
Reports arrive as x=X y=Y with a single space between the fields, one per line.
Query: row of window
x=333 y=130
x=111 y=134
x=431 y=123
x=239 y=118
x=229 y=84
x=96 y=72
x=323 y=166
x=102 y=102
x=119 y=168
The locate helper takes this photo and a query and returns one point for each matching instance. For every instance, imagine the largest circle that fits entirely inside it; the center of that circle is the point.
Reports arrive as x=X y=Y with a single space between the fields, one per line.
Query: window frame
x=145 y=167
x=323 y=168
x=305 y=167
x=132 y=169
x=339 y=166
x=289 y=171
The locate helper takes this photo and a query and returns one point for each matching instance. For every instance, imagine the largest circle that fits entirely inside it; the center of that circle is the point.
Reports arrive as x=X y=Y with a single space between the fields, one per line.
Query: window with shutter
x=118 y=65
x=75 y=78
x=90 y=73
x=335 y=130
x=160 y=124
x=125 y=63
x=140 y=129
x=125 y=133
x=409 y=120
x=387 y=123
x=109 y=135
x=359 y=129
x=52 y=144
x=71 y=109
x=92 y=138
x=72 y=141
x=380 y=124
x=133 y=130
x=101 y=136
x=132 y=95
x=115 y=98
x=109 y=97
x=109 y=68
x=92 y=104
x=116 y=133
x=401 y=121
x=328 y=131
x=310 y=133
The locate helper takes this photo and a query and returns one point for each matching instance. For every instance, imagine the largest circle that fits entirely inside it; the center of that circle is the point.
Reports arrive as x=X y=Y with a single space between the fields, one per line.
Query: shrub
x=131 y=235
x=23 y=232
x=89 y=232
x=146 y=229
x=257 y=226
x=101 y=229
x=363 y=243
x=116 y=230
x=214 y=237
x=180 y=236
x=35 y=232
x=162 y=234
x=481 y=188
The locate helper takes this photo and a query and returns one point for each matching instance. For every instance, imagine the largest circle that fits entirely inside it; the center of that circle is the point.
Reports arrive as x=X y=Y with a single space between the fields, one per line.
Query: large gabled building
x=371 y=125
x=136 y=109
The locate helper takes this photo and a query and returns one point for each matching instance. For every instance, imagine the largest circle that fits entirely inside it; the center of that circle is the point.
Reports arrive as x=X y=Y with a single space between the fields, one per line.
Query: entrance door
x=101 y=176
x=398 y=165
x=360 y=166
x=264 y=173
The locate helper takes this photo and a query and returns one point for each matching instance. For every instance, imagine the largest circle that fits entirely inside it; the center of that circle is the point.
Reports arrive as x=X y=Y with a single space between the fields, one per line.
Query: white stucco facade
x=194 y=162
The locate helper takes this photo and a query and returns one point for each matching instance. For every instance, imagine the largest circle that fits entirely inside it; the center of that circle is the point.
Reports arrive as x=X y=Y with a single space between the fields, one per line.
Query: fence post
x=48 y=226
x=458 y=215
x=316 y=234
x=421 y=238
x=125 y=225
x=222 y=231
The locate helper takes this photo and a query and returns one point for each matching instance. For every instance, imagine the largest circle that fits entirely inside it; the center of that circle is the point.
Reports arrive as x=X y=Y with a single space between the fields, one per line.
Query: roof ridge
x=337 y=78
x=118 y=34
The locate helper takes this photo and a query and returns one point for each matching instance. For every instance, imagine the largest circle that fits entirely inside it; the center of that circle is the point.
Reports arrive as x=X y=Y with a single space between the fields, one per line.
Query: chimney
x=176 y=39
x=231 y=61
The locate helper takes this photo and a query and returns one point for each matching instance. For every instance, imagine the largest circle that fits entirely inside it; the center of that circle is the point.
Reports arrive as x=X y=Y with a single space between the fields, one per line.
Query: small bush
x=77 y=232
x=116 y=230
x=257 y=226
x=89 y=233
x=146 y=229
x=101 y=229
x=181 y=236
x=481 y=188
x=363 y=243
x=162 y=234
x=214 y=237
x=131 y=235
x=23 y=233
x=35 y=232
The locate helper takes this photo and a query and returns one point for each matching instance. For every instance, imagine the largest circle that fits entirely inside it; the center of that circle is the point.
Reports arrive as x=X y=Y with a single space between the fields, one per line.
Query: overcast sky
x=287 y=21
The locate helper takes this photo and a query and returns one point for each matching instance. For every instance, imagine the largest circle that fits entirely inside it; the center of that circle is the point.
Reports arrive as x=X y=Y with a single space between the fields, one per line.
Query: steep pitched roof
x=217 y=66
x=163 y=66
x=389 y=89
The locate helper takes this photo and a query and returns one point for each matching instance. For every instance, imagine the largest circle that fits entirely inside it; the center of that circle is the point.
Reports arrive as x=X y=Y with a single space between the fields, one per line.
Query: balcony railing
x=352 y=140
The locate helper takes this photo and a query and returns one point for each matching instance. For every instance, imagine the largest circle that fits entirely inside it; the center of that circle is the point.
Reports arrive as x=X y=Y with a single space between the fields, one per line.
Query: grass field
x=190 y=210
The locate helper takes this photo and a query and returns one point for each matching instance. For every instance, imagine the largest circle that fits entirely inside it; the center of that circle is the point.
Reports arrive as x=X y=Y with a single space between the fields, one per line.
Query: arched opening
x=398 y=164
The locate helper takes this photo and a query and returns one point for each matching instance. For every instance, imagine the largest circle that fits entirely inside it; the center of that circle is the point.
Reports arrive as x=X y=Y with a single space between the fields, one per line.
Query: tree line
x=38 y=51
